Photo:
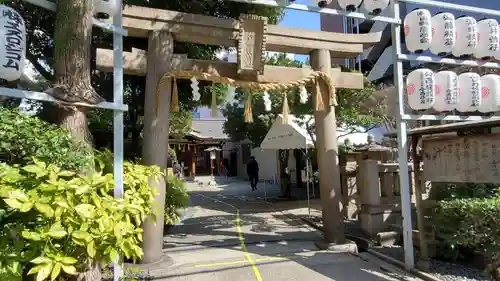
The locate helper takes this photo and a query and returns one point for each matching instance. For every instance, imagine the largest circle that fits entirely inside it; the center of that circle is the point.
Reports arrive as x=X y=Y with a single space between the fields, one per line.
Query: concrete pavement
x=228 y=234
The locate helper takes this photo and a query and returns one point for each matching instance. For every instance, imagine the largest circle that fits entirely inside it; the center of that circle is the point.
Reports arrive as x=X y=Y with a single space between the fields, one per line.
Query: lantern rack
x=398 y=58
x=316 y=9
x=51 y=6
x=117 y=105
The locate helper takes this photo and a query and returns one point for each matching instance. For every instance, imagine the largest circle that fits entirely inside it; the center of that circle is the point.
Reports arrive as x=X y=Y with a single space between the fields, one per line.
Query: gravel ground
x=445 y=271
x=456 y=272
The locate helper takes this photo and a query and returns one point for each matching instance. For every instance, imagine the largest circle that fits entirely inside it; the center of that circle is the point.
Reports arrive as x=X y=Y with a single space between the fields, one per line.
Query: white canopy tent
x=287 y=136
x=294 y=135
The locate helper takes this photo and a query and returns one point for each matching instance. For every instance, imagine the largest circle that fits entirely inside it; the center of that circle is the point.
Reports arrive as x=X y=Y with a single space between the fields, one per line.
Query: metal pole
x=118 y=120
x=265 y=191
x=344 y=23
x=307 y=177
x=402 y=140
x=359 y=56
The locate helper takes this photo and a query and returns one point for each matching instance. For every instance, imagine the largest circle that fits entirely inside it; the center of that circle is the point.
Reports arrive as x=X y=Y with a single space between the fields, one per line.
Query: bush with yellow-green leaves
x=55 y=223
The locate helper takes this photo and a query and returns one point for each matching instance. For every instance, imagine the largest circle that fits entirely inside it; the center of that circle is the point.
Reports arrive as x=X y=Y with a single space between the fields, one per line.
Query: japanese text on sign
x=14 y=38
x=471 y=159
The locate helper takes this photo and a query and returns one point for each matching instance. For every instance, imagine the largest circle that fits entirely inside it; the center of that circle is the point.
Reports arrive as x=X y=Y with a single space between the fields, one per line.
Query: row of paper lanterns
x=13 y=42
x=446 y=91
x=443 y=34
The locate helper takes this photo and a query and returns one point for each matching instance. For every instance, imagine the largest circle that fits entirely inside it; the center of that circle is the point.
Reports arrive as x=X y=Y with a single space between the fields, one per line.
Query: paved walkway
x=228 y=234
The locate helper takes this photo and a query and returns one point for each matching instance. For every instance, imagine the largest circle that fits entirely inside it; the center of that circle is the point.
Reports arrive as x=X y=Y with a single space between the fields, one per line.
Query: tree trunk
x=72 y=41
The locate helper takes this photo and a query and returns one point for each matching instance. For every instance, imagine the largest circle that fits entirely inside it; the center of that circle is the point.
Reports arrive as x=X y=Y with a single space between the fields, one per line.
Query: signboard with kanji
x=474 y=159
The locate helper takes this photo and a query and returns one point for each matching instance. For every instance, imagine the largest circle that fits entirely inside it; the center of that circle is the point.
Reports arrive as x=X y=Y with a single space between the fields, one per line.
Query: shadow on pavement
x=275 y=238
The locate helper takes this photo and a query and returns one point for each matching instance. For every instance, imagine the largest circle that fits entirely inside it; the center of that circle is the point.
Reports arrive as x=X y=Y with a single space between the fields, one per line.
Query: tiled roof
x=209 y=128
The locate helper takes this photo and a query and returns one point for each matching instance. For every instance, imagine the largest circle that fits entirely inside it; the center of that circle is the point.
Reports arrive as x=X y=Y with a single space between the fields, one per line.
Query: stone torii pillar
x=155 y=142
x=329 y=171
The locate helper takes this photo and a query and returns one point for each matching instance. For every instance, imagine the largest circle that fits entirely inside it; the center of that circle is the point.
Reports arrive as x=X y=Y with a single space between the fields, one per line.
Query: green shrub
x=176 y=198
x=23 y=137
x=473 y=224
x=58 y=222
x=450 y=191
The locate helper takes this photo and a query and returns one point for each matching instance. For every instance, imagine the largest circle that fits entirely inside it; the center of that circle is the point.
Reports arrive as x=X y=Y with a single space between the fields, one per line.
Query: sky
x=301 y=19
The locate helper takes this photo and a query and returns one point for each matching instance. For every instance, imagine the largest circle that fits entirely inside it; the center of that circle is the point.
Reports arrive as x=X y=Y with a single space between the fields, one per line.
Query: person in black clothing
x=177 y=169
x=253 y=172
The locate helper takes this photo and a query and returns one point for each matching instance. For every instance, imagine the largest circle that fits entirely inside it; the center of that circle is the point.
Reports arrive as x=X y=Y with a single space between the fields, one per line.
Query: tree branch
x=34 y=60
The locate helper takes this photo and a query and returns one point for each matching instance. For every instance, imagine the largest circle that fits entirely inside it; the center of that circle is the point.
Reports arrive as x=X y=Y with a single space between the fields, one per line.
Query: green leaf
x=45 y=209
x=26 y=207
x=68 y=260
x=91 y=249
x=113 y=254
x=57 y=231
x=81 y=235
x=13 y=203
x=38 y=170
x=85 y=210
x=40 y=260
x=66 y=174
x=69 y=269
x=35 y=236
x=44 y=272
x=55 y=271
x=35 y=269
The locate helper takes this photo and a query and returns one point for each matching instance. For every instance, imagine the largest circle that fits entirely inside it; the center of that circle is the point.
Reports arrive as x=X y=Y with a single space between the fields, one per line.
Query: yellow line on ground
x=244 y=248
x=221 y=263
x=240 y=235
x=243 y=261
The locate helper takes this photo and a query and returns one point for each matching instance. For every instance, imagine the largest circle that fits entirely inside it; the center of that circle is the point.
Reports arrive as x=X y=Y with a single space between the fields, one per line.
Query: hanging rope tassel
x=248 y=108
x=320 y=105
x=286 y=109
x=214 y=101
x=175 y=97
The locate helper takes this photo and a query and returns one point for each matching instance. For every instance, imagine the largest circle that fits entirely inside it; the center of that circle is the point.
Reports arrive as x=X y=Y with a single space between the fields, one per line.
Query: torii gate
x=253 y=36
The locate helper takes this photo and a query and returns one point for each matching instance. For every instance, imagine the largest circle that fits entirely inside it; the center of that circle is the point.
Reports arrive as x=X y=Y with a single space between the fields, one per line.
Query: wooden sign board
x=252 y=45
x=473 y=159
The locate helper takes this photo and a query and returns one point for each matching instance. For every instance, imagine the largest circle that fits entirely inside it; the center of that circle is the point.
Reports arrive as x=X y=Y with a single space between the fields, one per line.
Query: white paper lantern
x=466 y=36
x=418 y=30
x=446 y=91
x=12 y=44
x=375 y=7
x=109 y=7
x=421 y=89
x=490 y=93
x=469 y=92
x=349 y=5
x=443 y=33
x=487 y=43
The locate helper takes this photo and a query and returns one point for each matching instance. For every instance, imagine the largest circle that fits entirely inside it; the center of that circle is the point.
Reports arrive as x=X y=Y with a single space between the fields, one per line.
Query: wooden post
x=420 y=210
x=193 y=163
x=155 y=148
x=327 y=150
